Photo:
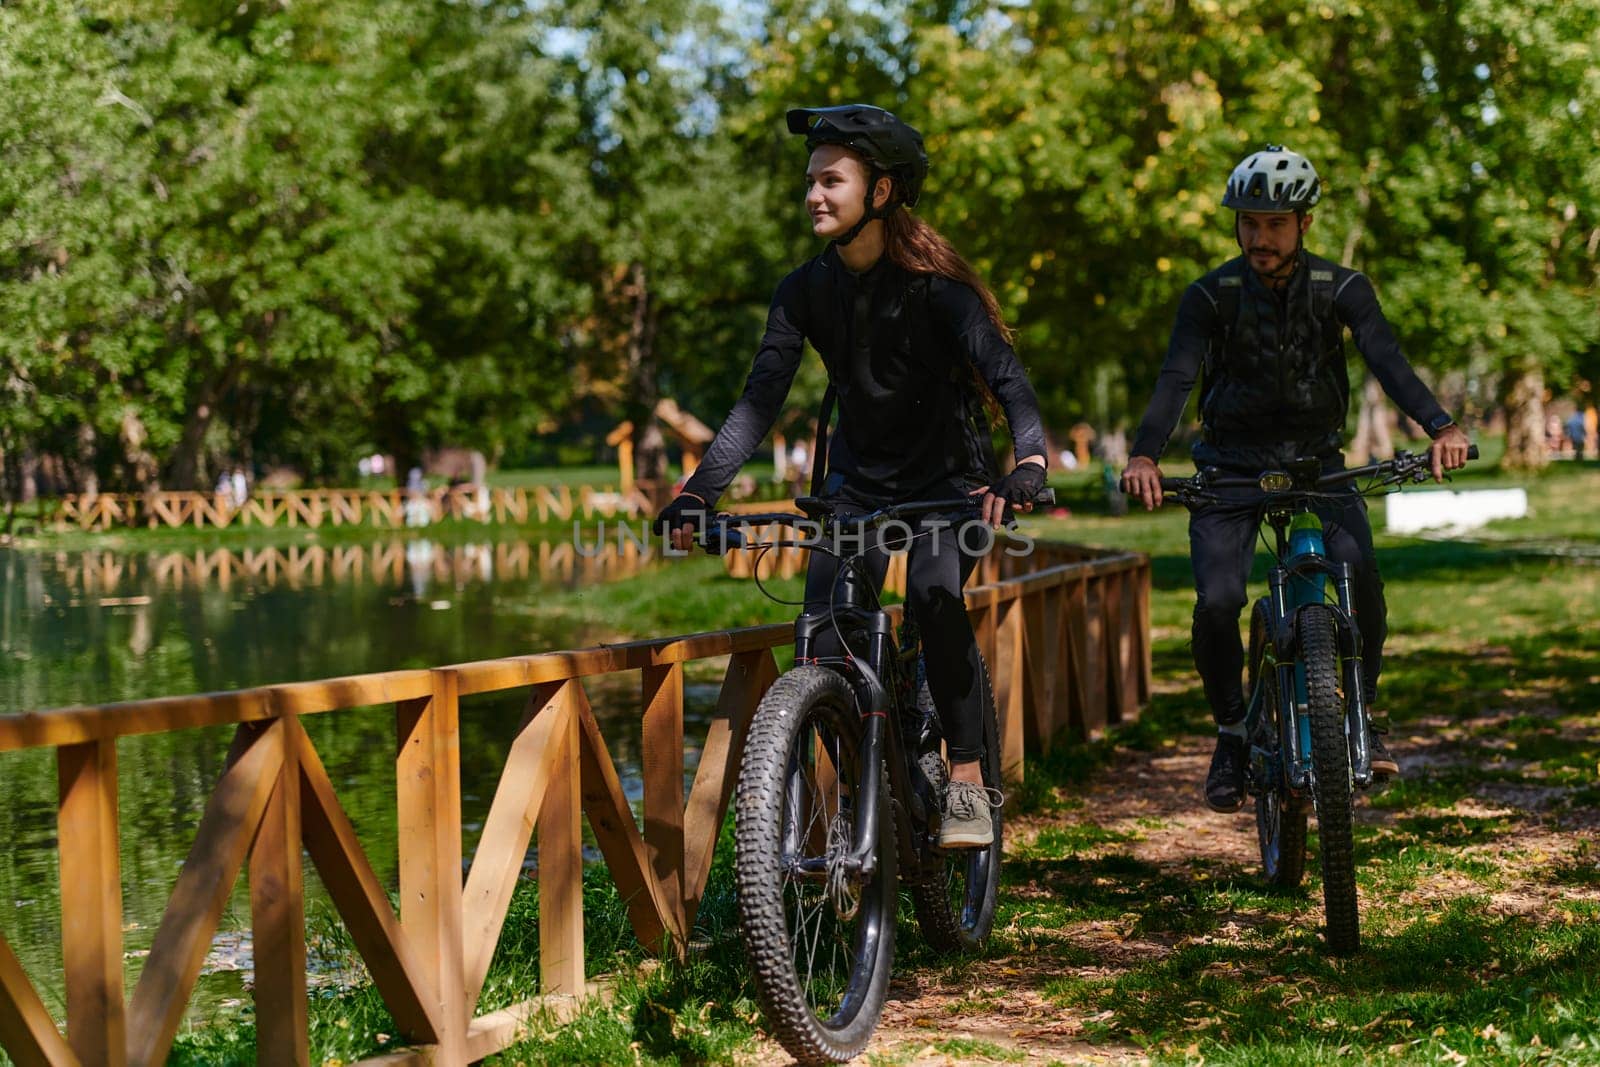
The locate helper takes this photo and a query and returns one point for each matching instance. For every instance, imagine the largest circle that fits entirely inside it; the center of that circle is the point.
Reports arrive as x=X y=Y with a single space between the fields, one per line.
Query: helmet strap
x=870 y=212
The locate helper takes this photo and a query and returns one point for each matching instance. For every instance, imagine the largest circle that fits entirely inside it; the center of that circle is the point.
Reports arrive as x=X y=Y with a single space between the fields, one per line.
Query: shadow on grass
x=1146 y=899
x=1517 y=674
x=1450 y=969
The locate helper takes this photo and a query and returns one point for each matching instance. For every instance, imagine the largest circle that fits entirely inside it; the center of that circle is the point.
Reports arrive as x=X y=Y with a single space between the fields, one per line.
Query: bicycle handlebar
x=1403 y=466
x=724 y=533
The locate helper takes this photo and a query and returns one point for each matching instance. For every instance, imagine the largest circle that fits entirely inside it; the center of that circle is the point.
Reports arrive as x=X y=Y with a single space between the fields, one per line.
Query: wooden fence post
x=1146 y=665
x=428 y=789
x=91 y=901
x=561 y=874
x=278 y=928
x=662 y=756
x=1009 y=683
x=1096 y=682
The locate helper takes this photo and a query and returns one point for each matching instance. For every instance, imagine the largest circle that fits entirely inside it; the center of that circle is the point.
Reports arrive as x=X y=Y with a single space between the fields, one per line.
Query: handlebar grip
x=718 y=539
x=1044 y=498
x=1172 y=485
x=1472 y=451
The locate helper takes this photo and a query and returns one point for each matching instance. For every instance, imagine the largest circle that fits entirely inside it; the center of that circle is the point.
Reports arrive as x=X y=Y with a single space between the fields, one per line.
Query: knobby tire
x=820 y=977
x=1330 y=764
x=955 y=909
x=1280 y=816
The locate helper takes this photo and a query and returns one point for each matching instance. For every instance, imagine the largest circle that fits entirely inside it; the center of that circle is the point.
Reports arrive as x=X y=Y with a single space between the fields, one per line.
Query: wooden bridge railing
x=105 y=572
x=339 y=507
x=1067 y=646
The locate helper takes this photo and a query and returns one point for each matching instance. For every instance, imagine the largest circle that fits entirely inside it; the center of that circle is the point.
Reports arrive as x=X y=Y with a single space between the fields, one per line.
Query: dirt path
x=950 y=1015
x=1144 y=808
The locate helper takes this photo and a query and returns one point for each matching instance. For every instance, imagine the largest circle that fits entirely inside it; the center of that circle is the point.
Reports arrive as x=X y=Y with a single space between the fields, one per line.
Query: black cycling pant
x=936 y=571
x=1222 y=542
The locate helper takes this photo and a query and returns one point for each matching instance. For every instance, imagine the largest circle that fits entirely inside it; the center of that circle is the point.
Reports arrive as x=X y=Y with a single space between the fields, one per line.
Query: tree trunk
x=1525 y=417
x=185 y=469
x=140 y=465
x=650 y=449
x=85 y=475
x=28 y=491
x=1374 y=437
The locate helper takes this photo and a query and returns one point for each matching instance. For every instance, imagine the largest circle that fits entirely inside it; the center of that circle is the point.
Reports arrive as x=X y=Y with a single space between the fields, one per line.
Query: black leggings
x=1222 y=540
x=937 y=569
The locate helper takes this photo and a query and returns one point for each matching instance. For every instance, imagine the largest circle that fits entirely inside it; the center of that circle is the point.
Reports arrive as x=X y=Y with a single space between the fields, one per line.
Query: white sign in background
x=1410 y=512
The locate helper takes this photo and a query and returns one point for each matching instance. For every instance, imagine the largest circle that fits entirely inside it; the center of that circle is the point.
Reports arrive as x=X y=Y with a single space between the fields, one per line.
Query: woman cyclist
x=914 y=347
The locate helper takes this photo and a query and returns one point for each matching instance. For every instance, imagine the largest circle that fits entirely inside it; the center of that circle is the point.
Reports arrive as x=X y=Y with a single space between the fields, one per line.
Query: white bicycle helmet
x=1272 y=180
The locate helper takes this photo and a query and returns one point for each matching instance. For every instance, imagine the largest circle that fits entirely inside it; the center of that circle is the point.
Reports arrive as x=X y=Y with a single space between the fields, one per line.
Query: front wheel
x=820 y=940
x=1333 y=787
x=1280 y=815
x=955 y=908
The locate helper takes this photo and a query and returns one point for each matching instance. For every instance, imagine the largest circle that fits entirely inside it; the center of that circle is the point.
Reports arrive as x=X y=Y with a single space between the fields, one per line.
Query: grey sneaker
x=968 y=821
x=1382 y=761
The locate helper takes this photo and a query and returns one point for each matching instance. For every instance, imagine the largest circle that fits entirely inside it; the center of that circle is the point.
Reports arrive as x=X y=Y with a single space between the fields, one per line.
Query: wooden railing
x=339 y=507
x=104 y=572
x=1064 y=632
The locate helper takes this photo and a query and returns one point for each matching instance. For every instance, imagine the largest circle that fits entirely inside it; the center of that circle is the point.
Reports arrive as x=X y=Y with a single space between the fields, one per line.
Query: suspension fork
x=1296 y=755
x=1356 y=710
x=874 y=699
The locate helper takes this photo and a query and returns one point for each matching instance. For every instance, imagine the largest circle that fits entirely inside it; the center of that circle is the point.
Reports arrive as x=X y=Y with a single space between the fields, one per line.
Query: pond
x=95 y=626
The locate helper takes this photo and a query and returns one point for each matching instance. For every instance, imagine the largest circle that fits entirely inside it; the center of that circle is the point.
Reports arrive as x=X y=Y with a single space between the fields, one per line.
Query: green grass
x=597 y=475
x=1478 y=871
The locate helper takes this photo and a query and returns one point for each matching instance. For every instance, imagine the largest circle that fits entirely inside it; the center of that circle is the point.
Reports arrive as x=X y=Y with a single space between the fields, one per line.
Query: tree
x=677 y=255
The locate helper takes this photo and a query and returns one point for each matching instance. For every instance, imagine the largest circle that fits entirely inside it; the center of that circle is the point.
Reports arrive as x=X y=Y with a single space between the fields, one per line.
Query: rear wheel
x=1333 y=788
x=820 y=941
x=1280 y=816
x=955 y=909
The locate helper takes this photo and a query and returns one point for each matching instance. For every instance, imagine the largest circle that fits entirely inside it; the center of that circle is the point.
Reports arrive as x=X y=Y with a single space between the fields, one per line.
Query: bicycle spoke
x=823 y=831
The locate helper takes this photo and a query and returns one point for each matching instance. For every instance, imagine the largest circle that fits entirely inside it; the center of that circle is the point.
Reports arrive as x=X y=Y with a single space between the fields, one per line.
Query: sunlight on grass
x=1477 y=870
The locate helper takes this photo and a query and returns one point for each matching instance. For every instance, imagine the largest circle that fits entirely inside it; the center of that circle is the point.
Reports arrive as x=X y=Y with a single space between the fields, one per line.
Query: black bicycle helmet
x=888 y=144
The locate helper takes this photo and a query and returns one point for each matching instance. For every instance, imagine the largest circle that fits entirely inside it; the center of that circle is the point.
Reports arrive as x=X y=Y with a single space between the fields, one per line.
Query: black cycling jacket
x=1277 y=413
x=900 y=349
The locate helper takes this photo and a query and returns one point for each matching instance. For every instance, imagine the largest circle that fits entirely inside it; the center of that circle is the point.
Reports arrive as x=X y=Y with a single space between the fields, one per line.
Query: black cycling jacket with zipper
x=900 y=349
x=1276 y=376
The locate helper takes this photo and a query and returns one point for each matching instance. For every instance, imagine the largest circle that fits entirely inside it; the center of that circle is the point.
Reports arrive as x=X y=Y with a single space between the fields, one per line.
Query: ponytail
x=913 y=245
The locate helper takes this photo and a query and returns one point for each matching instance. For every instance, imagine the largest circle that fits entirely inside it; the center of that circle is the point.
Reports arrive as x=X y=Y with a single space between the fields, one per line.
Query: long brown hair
x=913 y=245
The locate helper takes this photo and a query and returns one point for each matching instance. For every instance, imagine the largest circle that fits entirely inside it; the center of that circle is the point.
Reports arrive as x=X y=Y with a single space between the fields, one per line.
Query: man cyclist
x=1263 y=334
x=913 y=342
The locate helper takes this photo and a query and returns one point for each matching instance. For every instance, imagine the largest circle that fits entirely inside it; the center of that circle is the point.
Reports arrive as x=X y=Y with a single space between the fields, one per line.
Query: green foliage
x=281 y=237
x=1080 y=151
x=292 y=233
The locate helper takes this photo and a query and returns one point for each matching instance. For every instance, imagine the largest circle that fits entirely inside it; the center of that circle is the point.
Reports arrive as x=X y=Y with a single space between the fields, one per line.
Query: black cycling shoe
x=1225 y=780
x=1383 y=763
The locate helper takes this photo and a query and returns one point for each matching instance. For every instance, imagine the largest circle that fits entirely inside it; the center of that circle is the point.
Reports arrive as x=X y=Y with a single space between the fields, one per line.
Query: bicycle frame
x=881 y=677
x=876 y=680
x=1298 y=581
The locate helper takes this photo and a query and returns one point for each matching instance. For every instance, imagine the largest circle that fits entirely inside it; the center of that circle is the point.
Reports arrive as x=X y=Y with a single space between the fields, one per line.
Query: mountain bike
x=1306 y=718
x=838 y=799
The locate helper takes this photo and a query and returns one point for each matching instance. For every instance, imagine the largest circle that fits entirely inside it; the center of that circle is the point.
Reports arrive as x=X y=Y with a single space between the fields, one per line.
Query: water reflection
x=416 y=562
x=97 y=626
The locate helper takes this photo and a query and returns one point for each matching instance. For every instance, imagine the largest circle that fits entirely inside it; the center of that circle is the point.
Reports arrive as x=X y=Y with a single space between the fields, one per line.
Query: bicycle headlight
x=1276 y=482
